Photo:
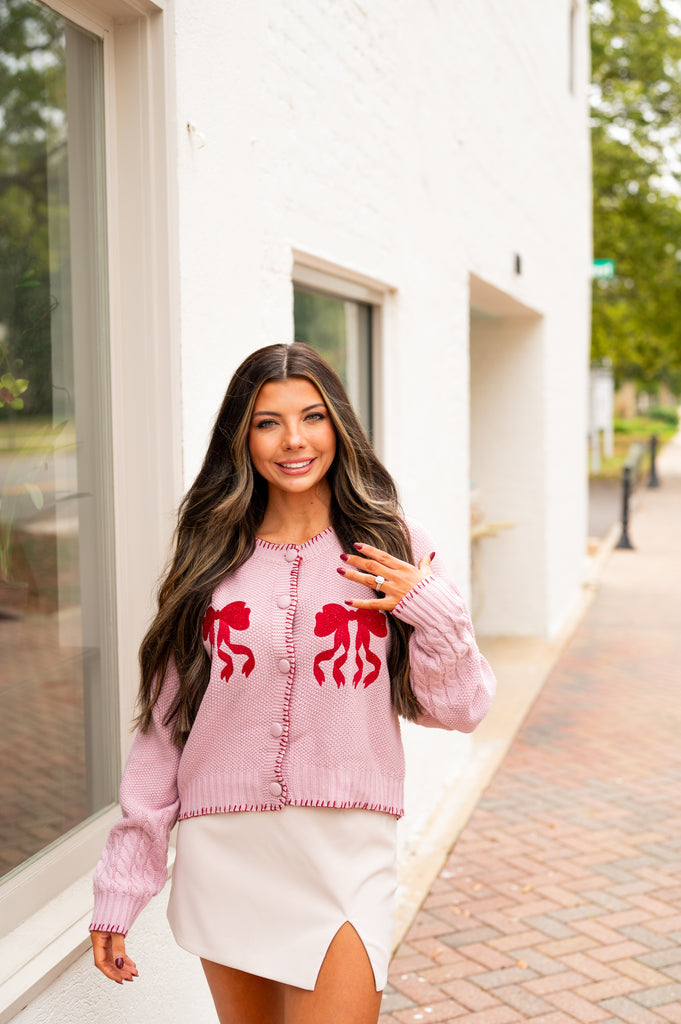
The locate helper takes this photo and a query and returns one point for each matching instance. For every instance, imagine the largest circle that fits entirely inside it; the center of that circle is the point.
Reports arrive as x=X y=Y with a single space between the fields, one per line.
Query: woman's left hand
x=398 y=577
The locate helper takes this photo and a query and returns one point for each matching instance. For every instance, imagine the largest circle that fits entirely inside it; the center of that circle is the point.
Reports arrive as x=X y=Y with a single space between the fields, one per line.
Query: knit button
x=284 y=601
x=275 y=789
x=285 y=665
x=276 y=729
x=290 y=554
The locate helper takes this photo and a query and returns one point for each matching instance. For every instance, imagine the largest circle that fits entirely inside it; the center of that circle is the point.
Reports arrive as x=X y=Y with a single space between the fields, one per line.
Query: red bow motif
x=233 y=616
x=335 y=619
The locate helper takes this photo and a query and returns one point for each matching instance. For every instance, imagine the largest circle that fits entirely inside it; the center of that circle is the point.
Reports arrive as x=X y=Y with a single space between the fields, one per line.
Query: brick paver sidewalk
x=561 y=901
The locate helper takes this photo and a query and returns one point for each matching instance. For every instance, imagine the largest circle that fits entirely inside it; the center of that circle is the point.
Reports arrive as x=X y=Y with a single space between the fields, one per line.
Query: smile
x=295 y=465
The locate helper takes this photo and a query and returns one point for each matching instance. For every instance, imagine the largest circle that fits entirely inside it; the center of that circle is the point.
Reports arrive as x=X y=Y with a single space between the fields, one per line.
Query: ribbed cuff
x=114 y=912
x=433 y=605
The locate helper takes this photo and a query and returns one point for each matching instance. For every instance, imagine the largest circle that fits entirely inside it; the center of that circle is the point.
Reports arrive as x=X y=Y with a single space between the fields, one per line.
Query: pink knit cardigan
x=297 y=709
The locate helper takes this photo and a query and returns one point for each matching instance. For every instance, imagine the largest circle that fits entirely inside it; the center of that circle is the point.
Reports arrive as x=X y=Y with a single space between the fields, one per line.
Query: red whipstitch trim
x=409 y=596
x=299 y=547
x=338 y=804
x=349 y=804
x=108 y=927
x=219 y=809
x=291 y=654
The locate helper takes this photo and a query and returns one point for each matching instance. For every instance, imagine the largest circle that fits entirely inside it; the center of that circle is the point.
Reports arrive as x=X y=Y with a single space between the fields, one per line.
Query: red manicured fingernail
x=341 y=571
x=119 y=961
x=349 y=602
x=432 y=555
x=345 y=558
x=358 y=546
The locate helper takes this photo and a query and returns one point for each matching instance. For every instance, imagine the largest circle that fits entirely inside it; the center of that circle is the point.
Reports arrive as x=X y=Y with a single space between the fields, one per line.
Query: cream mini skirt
x=266 y=891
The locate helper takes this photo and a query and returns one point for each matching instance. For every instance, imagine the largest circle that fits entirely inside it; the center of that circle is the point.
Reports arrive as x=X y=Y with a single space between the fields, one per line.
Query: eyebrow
x=265 y=412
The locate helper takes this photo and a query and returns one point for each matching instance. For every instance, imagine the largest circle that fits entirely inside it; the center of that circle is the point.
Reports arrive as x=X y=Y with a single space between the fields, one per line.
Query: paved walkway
x=561 y=901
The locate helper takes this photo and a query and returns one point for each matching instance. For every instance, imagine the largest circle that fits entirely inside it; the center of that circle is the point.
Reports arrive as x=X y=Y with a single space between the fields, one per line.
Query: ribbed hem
x=303 y=787
x=368 y=791
x=231 y=791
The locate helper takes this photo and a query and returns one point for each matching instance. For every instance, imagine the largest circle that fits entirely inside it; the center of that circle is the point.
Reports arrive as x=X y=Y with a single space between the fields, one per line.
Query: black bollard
x=624 y=541
x=652 y=477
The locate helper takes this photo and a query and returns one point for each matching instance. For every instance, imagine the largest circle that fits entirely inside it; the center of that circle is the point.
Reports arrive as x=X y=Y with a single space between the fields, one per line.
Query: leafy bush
x=670 y=416
x=630 y=431
x=642 y=426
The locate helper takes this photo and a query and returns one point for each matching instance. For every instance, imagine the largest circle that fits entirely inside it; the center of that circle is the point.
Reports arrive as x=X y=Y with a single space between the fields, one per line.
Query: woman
x=299 y=616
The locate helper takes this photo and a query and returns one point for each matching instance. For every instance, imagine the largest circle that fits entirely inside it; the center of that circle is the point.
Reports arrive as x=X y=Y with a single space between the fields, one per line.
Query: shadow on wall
x=508 y=513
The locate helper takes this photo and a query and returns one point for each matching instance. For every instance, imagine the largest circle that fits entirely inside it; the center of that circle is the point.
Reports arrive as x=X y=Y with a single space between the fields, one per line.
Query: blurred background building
x=405 y=186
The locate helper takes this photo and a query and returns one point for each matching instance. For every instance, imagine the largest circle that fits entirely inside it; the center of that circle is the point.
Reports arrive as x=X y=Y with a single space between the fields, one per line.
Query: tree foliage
x=32 y=98
x=636 y=126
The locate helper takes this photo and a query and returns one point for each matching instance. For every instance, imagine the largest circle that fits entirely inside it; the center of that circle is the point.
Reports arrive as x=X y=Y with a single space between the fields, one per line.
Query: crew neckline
x=268 y=545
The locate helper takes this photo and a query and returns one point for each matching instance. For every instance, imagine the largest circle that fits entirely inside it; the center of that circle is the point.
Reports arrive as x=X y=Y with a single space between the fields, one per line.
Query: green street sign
x=603 y=268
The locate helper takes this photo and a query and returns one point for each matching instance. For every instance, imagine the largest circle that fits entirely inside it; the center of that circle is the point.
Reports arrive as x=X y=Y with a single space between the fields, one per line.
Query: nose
x=293 y=437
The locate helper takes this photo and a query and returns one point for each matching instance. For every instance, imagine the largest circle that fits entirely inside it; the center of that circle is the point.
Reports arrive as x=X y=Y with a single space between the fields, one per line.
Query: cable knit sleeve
x=452 y=681
x=133 y=866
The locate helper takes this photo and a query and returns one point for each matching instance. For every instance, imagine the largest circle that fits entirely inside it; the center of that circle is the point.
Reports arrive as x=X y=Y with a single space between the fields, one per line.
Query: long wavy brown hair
x=218 y=520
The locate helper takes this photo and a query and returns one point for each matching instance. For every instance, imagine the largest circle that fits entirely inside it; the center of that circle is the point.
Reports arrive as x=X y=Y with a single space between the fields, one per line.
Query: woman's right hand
x=110 y=956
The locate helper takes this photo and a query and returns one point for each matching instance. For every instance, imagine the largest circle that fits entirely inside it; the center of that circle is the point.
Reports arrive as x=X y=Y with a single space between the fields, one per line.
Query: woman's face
x=291 y=439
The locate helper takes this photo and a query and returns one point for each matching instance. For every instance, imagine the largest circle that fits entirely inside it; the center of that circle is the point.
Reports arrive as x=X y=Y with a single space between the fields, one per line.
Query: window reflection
x=58 y=762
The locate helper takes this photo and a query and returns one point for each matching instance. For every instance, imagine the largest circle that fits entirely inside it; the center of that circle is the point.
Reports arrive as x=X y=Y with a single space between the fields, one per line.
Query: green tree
x=32 y=77
x=636 y=124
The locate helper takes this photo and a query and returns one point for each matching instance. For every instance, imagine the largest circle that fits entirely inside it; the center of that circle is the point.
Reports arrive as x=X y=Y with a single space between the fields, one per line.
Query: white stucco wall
x=415 y=143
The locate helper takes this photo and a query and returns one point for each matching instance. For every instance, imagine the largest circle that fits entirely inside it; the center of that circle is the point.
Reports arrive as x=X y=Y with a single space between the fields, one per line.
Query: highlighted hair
x=219 y=517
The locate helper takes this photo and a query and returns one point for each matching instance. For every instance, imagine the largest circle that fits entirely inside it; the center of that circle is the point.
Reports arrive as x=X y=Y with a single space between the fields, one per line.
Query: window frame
x=42 y=930
x=573 y=17
x=315 y=274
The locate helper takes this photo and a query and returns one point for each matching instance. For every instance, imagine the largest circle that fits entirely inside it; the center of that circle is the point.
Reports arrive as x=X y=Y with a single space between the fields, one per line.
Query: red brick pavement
x=43 y=791
x=561 y=902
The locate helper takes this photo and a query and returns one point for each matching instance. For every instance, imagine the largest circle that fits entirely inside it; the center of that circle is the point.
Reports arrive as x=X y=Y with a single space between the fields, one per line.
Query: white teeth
x=296 y=465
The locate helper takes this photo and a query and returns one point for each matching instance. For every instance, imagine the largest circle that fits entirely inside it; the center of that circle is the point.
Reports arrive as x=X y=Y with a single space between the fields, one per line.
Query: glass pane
x=341 y=331
x=58 y=742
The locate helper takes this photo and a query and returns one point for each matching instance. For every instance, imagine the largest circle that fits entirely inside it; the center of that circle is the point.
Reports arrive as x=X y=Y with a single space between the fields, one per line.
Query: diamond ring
x=380 y=580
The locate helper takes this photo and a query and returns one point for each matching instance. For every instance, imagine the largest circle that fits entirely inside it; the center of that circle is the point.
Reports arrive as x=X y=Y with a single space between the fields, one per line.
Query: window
x=90 y=448
x=90 y=442
x=58 y=700
x=340 y=329
x=340 y=313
